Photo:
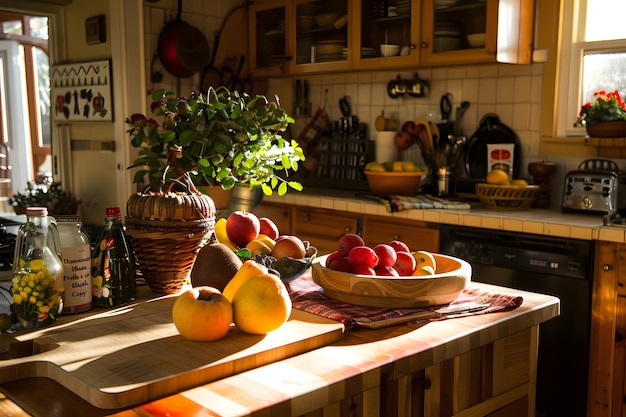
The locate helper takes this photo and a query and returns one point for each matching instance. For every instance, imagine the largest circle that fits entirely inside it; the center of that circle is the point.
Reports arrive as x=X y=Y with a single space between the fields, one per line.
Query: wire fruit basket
x=506 y=197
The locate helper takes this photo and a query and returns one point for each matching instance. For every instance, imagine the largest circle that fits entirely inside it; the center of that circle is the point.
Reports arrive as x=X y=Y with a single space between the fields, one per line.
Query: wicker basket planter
x=166 y=232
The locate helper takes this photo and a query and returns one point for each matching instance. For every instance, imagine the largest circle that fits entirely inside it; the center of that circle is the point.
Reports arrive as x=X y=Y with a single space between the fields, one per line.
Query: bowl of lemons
x=501 y=193
x=393 y=178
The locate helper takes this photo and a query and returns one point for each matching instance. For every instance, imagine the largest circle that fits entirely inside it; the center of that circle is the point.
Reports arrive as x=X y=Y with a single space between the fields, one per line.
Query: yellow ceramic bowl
x=453 y=275
x=399 y=183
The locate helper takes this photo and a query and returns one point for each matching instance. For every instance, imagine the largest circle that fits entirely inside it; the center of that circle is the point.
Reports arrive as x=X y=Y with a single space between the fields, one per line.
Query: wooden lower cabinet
x=323 y=227
x=607 y=360
x=495 y=380
x=416 y=234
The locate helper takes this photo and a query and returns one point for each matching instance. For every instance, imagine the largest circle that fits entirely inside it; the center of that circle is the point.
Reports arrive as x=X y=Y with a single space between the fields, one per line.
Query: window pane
x=42 y=68
x=605 y=20
x=603 y=71
x=13 y=27
x=39 y=27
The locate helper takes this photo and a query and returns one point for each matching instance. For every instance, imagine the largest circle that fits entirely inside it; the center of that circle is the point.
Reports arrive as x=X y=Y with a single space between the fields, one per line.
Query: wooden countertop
x=308 y=381
x=549 y=222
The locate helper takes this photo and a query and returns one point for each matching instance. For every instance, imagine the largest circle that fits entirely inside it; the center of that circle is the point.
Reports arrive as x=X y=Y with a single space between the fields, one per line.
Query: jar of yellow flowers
x=37 y=293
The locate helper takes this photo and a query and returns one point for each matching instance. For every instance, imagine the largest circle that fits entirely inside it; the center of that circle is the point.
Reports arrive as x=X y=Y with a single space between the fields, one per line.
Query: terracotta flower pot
x=615 y=129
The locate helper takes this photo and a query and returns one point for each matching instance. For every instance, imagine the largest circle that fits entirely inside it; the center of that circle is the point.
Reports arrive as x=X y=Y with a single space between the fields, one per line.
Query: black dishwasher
x=561 y=267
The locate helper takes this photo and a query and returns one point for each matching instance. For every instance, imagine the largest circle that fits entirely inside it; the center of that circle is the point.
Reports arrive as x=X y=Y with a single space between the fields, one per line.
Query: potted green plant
x=606 y=116
x=53 y=197
x=220 y=139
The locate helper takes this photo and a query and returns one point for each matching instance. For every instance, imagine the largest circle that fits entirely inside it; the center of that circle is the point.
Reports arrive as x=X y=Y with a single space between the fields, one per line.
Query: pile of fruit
x=255 y=300
x=234 y=281
x=498 y=176
x=258 y=236
x=393 y=259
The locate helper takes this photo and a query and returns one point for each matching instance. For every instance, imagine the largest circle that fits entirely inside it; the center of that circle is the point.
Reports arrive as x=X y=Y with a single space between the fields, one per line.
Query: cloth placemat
x=395 y=203
x=306 y=295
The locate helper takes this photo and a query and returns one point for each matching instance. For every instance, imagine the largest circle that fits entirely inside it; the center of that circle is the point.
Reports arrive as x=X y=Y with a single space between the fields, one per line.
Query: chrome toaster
x=597 y=186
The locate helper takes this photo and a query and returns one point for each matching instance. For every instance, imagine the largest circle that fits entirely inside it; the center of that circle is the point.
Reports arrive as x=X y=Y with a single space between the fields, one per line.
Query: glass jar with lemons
x=37 y=294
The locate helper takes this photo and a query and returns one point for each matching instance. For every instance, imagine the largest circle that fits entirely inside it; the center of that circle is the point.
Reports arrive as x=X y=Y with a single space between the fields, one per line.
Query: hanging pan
x=183 y=49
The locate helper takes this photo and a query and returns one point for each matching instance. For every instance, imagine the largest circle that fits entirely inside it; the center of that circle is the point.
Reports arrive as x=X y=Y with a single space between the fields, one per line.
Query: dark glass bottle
x=112 y=263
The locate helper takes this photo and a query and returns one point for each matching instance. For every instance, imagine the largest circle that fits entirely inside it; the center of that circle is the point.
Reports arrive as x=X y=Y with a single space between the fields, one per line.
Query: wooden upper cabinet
x=313 y=36
x=458 y=31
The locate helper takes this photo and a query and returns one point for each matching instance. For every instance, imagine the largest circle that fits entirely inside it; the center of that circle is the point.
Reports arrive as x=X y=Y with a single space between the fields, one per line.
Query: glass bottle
x=112 y=263
x=37 y=293
x=76 y=254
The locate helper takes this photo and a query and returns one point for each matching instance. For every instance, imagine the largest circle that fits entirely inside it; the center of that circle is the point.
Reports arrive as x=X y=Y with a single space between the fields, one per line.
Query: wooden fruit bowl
x=452 y=277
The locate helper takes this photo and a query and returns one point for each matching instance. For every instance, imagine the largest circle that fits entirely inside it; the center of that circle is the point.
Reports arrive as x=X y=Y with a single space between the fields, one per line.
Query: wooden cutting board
x=134 y=354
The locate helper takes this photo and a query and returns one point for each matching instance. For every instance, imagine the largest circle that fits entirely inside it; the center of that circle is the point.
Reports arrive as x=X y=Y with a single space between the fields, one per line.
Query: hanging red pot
x=183 y=49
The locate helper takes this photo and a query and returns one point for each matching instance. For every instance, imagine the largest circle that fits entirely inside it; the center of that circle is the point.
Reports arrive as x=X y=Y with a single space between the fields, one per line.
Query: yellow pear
x=248 y=270
x=261 y=304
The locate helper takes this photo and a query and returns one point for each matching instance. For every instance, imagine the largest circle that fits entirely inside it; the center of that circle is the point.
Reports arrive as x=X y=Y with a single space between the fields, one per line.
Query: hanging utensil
x=445 y=128
x=182 y=48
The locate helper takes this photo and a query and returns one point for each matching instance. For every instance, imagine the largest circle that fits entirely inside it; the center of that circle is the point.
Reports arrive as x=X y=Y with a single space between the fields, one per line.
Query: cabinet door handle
x=606 y=267
x=424 y=45
x=396 y=237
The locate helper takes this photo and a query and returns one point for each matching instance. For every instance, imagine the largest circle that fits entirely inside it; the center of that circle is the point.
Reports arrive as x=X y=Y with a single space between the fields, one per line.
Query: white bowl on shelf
x=476 y=40
x=389 y=50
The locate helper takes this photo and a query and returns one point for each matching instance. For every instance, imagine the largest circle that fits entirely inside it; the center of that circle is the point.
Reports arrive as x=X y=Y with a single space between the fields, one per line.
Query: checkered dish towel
x=308 y=296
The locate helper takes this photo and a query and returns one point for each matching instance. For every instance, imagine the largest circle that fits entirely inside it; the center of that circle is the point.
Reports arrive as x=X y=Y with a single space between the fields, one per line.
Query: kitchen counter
x=365 y=371
x=548 y=222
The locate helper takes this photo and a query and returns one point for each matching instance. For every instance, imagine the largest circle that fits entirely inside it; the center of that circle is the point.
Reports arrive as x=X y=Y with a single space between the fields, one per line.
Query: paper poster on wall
x=82 y=92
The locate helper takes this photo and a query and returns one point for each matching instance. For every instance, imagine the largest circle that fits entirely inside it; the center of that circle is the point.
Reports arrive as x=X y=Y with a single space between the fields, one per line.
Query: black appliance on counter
x=8 y=230
x=556 y=266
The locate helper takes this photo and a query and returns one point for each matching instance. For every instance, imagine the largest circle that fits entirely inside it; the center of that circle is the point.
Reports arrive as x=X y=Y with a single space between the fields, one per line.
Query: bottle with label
x=37 y=288
x=112 y=263
x=76 y=254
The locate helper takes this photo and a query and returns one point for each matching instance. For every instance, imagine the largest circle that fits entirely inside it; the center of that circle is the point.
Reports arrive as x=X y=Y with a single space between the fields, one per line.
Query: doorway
x=25 y=130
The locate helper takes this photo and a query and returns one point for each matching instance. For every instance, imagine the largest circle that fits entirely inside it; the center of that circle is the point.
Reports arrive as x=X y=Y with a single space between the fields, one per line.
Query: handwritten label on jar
x=77 y=278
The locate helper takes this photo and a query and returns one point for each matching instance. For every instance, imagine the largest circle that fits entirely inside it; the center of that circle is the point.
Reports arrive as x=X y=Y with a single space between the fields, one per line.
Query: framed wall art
x=82 y=92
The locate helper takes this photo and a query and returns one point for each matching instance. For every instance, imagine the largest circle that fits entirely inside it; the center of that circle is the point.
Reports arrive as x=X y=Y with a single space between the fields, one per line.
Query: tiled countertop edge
x=536 y=221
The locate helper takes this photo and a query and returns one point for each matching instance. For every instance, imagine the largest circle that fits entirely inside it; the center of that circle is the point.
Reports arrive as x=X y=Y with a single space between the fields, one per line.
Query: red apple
x=242 y=228
x=340 y=264
x=347 y=242
x=410 y=127
x=403 y=140
x=405 y=264
x=386 y=255
x=364 y=270
x=268 y=228
x=386 y=271
x=203 y=314
x=363 y=255
x=331 y=257
x=289 y=247
x=399 y=246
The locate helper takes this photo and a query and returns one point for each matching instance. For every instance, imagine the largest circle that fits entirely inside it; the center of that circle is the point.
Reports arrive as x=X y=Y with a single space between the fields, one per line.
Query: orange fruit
x=497 y=177
x=519 y=182
x=261 y=304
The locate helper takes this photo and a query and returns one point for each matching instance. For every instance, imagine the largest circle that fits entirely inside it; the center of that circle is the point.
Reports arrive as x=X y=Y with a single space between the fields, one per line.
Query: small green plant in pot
x=220 y=139
x=53 y=197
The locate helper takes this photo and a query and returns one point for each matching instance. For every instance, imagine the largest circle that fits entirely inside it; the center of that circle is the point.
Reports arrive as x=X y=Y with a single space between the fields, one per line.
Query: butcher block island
x=133 y=364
